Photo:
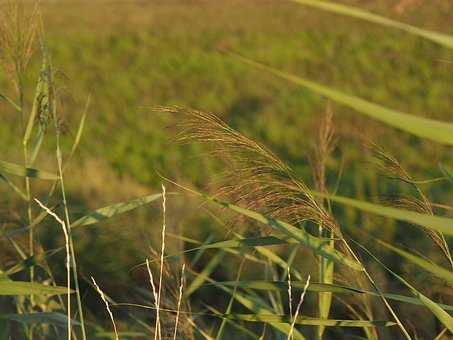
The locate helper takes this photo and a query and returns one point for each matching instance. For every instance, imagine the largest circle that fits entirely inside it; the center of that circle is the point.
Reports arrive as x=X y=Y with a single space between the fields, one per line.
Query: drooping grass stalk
x=296 y=313
x=67 y=264
x=153 y=286
x=107 y=306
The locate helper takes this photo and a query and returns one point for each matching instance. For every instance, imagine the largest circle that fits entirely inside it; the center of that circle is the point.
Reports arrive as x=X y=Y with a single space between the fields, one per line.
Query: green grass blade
x=325 y=298
x=258 y=306
x=435 y=308
x=36 y=146
x=10 y=101
x=447 y=172
x=53 y=318
x=8 y=287
x=240 y=328
x=307 y=321
x=318 y=245
x=434 y=269
x=207 y=270
x=320 y=287
x=438 y=131
x=18 y=170
x=113 y=210
x=13 y=186
x=438 y=223
x=437 y=37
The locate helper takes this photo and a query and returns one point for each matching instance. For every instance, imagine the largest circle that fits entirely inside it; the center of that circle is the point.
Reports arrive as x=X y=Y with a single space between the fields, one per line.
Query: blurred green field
x=132 y=56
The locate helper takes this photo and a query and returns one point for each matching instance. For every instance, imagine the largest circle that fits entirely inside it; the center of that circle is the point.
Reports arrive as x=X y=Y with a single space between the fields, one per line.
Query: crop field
x=247 y=169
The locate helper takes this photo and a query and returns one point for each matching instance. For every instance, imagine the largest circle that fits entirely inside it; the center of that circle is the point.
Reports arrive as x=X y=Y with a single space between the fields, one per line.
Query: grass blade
x=307 y=321
x=319 y=287
x=435 y=308
x=438 y=131
x=113 y=210
x=316 y=244
x=433 y=268
x=438 y=223
x=437 y=37
x=53 y=318
x=11 y=102
x=18 y=170
x=207 y=270
x=8 y=287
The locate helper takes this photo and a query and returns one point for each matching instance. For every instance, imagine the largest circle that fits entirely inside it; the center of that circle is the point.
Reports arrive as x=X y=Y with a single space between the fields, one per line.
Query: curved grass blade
x=13 y=186
x=433 y=268
x=447 y=172
x=8 y=287
x=307 y=321
x=11 y=102
x=18 y=170
x=320 y=287
x=438 y=223
x=258 y=306
x=227 y=246
x=435 y=308
x=438 y=131
x=240 y=328
x=53 y=318
x=437 y=37
x=319 y=246
x=113 y=210
x=207 y=270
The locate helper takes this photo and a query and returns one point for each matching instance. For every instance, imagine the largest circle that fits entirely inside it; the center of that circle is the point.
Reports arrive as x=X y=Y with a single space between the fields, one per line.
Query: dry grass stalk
x=296 y=314
x=107 y=306
x=151 y=280
x=158 y=325
x=290 y=298
x=68 y=261
x=179 y=300
x=257 y=178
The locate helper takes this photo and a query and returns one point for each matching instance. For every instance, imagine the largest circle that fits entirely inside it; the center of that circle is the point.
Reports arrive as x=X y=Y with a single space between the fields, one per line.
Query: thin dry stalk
x=68 y=261
x=290 y=298
x=296 y=314
x=107 y=306
x=151 y=280
x=158 y=326
x=179 y=300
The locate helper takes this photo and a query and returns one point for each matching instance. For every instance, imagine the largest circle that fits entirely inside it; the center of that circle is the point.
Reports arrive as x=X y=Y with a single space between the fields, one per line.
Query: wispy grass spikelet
x=255 y=178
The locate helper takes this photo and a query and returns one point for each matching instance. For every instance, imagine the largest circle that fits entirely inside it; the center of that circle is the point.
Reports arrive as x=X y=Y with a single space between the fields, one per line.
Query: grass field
x=126 y=58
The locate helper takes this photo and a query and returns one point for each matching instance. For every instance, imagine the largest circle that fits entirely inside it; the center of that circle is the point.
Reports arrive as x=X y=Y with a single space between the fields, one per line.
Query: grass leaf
x=8 y=287
x=18 y=170
x=53 y=318
x=113 y=210
x=437 y=37
x=438 y=131
x=438 y=223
